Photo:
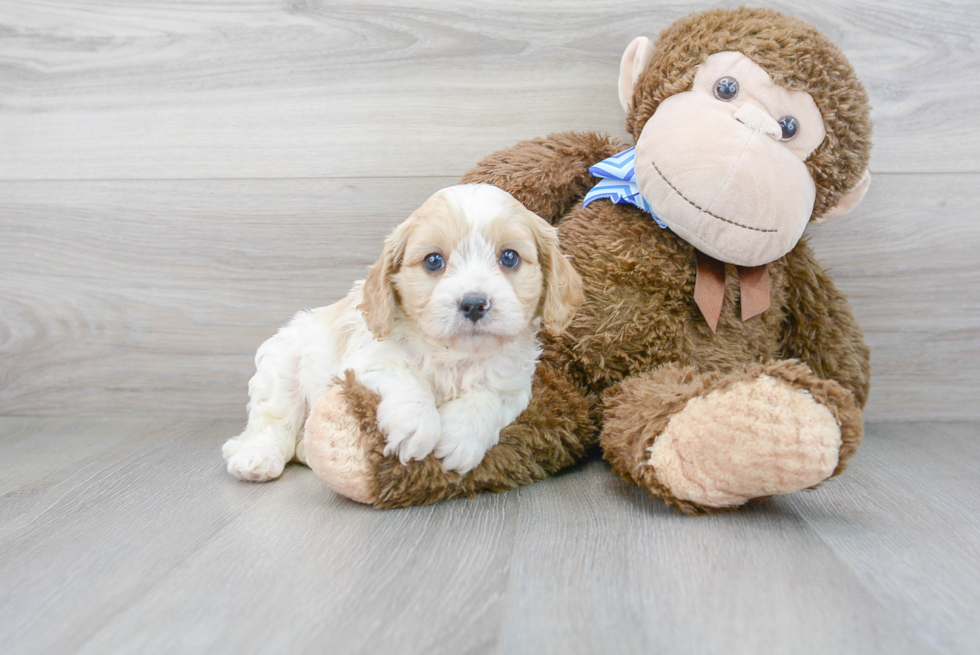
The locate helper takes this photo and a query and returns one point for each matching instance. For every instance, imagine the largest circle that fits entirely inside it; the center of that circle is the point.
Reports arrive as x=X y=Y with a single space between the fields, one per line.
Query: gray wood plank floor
x=127 y=536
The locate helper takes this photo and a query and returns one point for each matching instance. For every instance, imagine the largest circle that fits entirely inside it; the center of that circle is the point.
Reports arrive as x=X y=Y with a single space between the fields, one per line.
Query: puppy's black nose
x=473 y=306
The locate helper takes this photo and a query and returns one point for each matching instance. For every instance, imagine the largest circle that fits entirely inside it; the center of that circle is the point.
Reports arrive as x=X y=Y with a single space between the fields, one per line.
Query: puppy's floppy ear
x=378 y=295
x=562 y=283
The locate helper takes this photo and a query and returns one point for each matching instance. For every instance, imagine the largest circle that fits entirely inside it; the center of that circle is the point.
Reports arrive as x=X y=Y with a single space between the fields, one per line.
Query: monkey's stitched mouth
x=701 y=209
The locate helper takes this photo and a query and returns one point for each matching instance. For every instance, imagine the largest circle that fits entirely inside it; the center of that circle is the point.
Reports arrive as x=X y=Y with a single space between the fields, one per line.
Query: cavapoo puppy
x=444 y=330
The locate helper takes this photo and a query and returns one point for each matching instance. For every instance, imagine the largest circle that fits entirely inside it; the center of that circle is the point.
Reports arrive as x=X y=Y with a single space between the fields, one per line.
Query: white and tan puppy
x=444 y=330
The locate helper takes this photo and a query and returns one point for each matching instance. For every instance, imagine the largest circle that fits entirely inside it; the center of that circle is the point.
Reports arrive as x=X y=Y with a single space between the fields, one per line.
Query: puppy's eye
x=509 y=259
x=726 y=89
x=433 y=262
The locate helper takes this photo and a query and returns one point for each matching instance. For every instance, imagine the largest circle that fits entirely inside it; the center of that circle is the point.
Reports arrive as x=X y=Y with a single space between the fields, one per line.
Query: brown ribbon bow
x=709 y=289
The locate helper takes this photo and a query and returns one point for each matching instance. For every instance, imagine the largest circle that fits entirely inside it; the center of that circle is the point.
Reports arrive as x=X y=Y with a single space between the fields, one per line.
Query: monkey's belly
x=639 y=311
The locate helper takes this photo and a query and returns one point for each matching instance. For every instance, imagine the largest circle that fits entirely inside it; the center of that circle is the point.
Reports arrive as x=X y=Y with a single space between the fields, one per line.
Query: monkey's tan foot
x=337 y=450
x=756 y=438
x=725 y=439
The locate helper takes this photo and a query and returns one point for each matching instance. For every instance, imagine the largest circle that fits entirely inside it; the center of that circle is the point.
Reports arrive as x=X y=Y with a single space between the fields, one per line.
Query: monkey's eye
x=509 y=259
x=434 y=262
x=790 y=127
x=726 y=89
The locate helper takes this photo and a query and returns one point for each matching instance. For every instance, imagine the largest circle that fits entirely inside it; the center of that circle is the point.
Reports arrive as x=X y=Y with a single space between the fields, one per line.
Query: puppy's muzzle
x=474 y=306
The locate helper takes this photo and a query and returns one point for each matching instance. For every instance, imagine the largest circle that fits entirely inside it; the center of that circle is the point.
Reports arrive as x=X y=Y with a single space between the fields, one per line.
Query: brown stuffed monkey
x=712 y=359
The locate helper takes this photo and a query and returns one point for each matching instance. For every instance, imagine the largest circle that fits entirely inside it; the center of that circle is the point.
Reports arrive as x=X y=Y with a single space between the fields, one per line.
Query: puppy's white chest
x=508 y=372
x=452 y=381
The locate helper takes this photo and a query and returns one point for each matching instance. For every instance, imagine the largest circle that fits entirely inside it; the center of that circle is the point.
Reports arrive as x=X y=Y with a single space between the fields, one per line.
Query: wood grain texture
x=265 y=88
x=150 y=298
x=150 y=547
x=81 y=543
x=907 y=525
x=757 y=581
x=907 y=258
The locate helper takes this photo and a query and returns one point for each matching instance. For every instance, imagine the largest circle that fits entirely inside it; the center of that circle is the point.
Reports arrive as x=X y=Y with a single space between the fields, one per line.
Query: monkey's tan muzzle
x=728 y=187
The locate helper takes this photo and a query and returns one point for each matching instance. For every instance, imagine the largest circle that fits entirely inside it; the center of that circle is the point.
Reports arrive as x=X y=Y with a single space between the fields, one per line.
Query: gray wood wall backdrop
x=178 y=177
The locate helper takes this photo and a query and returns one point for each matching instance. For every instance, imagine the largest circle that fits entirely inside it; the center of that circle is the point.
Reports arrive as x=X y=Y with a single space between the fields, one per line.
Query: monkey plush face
x=733 y=160
x=723 y=162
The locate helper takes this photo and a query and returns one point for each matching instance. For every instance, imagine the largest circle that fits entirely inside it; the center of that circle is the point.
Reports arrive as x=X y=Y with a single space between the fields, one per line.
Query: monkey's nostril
x=474 y=306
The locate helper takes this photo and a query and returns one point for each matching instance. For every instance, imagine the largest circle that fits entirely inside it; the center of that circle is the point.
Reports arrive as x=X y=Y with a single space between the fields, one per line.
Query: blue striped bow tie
x=618 y=183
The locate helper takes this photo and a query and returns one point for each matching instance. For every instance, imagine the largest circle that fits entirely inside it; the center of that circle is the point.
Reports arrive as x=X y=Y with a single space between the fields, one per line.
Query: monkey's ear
x=635 y=59
x=850 y=200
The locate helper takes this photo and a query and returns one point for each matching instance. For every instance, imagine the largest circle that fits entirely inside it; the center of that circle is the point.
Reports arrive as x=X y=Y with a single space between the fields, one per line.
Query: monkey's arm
x=343 y=445
x=547 y=175
x=820 y=329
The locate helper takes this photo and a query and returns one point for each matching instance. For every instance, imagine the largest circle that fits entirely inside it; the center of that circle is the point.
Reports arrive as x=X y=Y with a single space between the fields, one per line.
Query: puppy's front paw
x=465 y=440
x=411 y=429
x=253 y=462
